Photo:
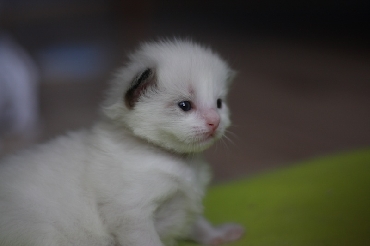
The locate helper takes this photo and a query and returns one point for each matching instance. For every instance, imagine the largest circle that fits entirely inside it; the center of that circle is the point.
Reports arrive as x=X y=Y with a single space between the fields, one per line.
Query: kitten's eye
x=219 y=103
x=185 y=105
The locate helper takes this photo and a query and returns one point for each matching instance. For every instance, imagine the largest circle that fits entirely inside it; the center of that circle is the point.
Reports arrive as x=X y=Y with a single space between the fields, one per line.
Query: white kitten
x=136 y=178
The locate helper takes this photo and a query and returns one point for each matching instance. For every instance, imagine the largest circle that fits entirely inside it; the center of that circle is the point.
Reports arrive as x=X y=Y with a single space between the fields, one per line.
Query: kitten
x=137 y=177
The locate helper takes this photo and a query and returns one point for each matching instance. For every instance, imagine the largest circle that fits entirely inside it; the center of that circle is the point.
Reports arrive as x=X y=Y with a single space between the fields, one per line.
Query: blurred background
x=302 y=91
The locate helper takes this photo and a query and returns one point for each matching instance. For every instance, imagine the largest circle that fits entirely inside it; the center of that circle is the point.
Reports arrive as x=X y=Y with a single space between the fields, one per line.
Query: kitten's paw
x=225 y=233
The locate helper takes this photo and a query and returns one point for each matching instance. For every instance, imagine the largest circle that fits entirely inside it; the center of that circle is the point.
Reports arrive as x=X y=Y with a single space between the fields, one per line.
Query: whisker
x=228 y=139
x=224 y=143
x=231 y=133
x=217 y=144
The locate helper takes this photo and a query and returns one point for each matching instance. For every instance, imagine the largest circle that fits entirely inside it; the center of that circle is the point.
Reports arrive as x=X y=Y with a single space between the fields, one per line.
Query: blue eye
x=185 y=105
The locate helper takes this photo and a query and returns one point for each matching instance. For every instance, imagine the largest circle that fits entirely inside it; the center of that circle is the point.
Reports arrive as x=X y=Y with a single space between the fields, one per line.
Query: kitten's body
x=136 y=177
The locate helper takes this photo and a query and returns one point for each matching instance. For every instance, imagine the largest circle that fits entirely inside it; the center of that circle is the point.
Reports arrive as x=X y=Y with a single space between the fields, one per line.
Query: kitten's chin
x=180 y=144
x=192 y=148
x=194 y=145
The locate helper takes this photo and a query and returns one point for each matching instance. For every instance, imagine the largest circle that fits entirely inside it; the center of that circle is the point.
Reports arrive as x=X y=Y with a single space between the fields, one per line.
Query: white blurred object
x=18 y=90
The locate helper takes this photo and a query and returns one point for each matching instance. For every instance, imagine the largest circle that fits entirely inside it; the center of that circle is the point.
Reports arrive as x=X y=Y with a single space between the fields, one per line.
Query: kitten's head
x=173 y=94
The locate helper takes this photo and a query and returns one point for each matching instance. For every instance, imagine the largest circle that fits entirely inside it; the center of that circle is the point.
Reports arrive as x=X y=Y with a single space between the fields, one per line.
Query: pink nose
x=212 y=119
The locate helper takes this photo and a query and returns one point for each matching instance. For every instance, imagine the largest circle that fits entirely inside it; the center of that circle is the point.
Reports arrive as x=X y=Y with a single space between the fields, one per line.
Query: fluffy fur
x=137 y=177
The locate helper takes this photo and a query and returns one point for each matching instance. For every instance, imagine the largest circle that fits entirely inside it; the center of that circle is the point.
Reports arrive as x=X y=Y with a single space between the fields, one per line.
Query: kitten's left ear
x=231 y=76
x=139 y=86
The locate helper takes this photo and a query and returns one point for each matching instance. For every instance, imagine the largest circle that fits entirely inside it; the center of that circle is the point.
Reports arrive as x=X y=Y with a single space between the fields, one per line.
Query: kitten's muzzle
x=212 y=119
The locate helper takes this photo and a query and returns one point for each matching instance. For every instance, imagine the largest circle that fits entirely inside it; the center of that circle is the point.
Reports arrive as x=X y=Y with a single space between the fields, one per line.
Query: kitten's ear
x=139 y=86
x=231 y=76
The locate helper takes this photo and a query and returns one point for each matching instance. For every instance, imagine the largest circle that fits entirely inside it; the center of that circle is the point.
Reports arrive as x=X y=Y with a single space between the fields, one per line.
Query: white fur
x=136 y=177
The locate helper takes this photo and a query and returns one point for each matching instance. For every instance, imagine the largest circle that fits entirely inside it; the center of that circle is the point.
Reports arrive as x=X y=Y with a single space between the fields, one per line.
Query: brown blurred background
x=303 y=87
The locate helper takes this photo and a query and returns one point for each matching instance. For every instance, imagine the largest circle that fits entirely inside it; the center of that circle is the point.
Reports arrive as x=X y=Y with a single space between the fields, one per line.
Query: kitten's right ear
x=139 y=86
x=231 y=76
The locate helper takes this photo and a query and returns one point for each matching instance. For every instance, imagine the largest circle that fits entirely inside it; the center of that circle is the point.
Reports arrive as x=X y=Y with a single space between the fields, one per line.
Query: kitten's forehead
x=189 y=68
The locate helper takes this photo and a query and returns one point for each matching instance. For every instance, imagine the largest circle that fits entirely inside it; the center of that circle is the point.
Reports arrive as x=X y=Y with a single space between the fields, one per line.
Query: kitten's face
x=177 y=97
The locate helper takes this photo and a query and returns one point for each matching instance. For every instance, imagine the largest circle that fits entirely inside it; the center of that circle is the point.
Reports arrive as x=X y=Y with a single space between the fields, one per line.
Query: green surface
x=325 y=201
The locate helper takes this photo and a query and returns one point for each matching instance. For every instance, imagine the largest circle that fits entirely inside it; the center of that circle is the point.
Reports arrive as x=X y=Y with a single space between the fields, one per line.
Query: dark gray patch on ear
x=138 y=87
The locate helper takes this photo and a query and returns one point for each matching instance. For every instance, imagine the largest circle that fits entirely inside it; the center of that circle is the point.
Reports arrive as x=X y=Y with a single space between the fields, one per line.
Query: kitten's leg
x=204 y=233
x=136 y=229
x=139 y=235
